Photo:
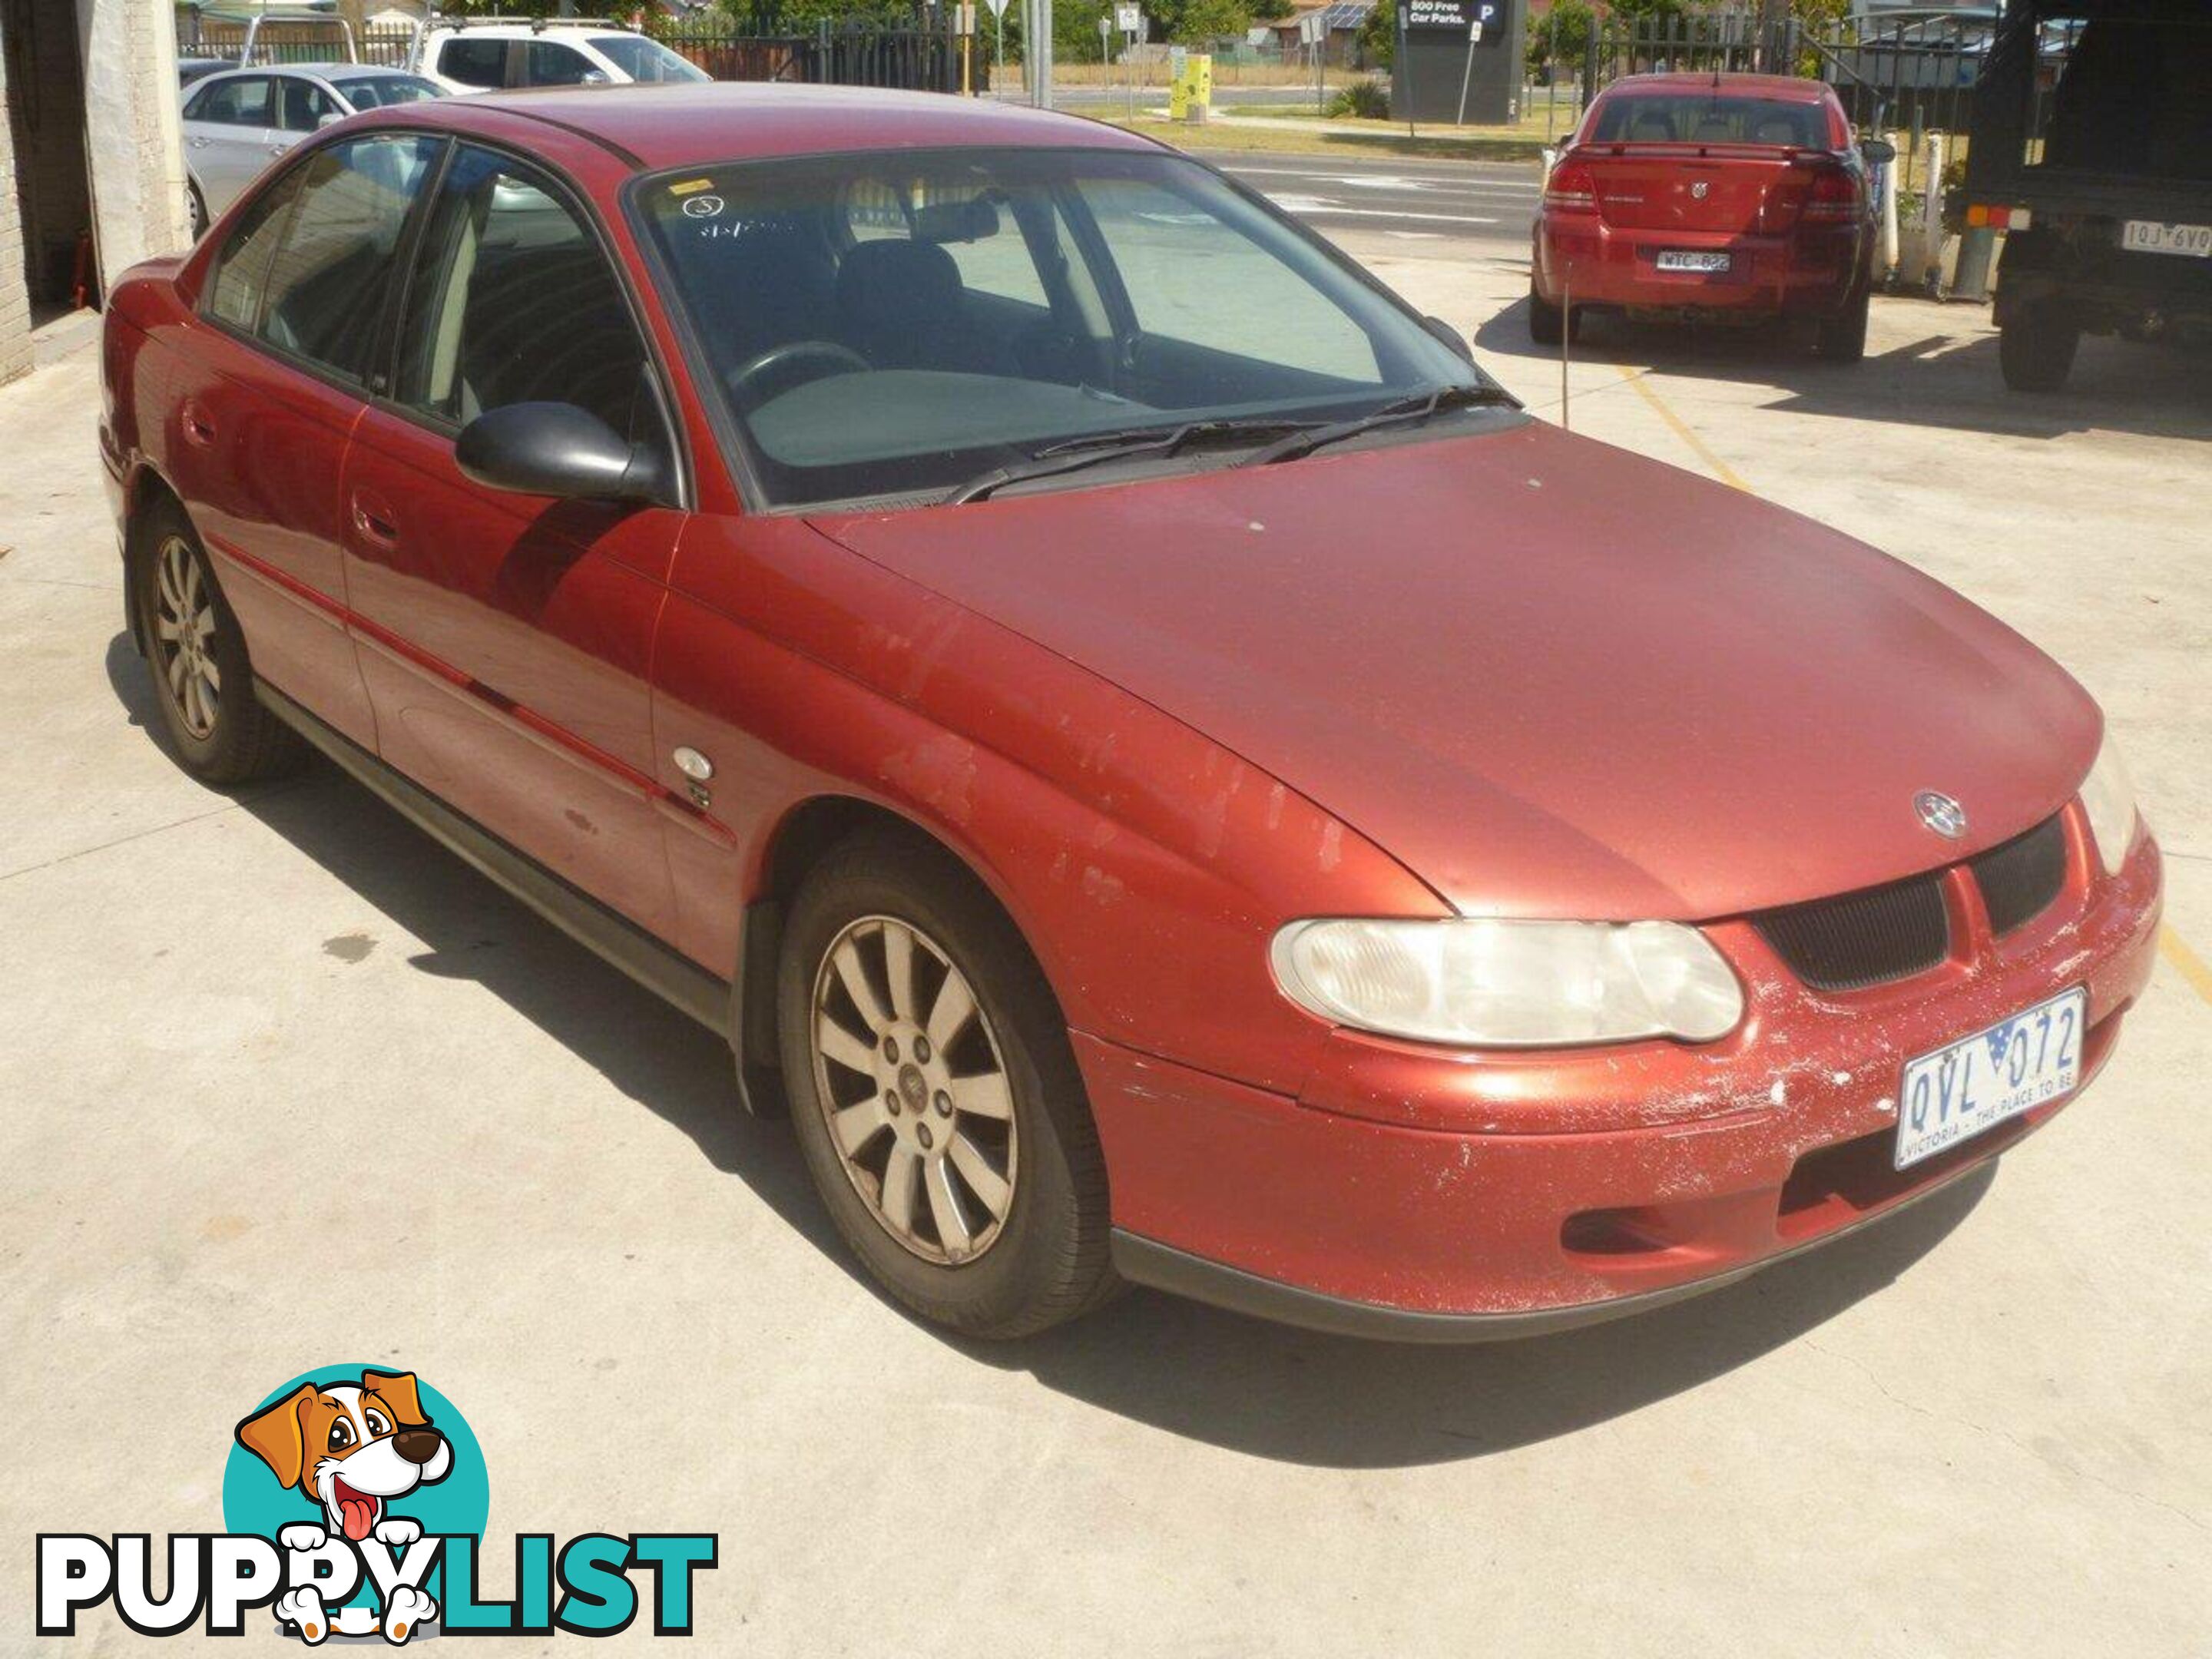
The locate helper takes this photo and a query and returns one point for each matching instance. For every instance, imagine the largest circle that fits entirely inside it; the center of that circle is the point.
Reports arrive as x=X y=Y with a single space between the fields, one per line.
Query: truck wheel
x=935 y=1096
x=1842 y=339
x=1549 y=324
x=2036 y=347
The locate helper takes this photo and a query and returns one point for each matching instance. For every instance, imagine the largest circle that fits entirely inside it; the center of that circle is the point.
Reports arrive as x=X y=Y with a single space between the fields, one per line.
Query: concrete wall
x=94 y=148
x=15 y=297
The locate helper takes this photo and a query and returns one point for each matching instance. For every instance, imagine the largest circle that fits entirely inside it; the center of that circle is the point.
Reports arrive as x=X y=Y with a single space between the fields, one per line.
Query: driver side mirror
x=560 y=450
x=1879 y=152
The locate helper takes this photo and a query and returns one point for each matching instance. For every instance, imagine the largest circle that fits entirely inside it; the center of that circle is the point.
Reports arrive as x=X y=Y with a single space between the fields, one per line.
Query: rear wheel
x=934 y=1094
x=196 y=651
x=1843 y=337
x=197 y=203
x=2036 y=348
x=1550 y=324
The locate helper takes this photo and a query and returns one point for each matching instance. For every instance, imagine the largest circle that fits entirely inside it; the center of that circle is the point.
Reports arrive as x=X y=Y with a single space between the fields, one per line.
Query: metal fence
x=1912 y=74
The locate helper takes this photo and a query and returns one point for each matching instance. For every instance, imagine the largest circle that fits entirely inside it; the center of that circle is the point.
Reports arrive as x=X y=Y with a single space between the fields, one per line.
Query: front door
x=231 y=134
x=506 y=639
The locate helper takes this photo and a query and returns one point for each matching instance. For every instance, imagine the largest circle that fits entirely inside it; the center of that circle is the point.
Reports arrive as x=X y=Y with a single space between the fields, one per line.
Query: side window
x=1193 y=282
x=302 y=105
x=549 y=63
x=241 y=273
x=512 y=300
x=327 y=285
x=243 y=102
x=473 y=61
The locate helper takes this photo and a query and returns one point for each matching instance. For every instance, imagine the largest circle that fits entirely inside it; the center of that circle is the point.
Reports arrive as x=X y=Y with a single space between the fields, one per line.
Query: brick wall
x=15 y=297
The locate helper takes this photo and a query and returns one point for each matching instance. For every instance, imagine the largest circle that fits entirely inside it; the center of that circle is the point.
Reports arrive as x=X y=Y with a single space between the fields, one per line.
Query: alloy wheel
x=911 y=1080
x=184 y=636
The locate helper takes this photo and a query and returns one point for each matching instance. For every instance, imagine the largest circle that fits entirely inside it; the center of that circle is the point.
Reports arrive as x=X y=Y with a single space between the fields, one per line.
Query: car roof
x=1787 y=89
x=696 y=125
x=333 y=71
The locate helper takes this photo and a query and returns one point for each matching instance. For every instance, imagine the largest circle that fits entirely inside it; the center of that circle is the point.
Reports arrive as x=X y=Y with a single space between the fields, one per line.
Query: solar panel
x=1346 y=14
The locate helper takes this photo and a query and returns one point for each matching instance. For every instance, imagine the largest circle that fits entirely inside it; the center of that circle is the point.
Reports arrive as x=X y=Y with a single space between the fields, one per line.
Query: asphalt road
x=1403 y=201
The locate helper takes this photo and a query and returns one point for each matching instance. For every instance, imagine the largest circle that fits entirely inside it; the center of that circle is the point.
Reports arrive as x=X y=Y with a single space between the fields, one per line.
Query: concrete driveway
x=285 y=1086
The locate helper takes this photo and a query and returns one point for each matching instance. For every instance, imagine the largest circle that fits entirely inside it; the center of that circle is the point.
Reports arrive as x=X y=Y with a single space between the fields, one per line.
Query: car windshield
x=899 y=324
x=379 y=91
x=1708 y=118
x=646 y=60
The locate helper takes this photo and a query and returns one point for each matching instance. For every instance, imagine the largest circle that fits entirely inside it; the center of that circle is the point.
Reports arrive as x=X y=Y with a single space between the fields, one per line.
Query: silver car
x=237 y=122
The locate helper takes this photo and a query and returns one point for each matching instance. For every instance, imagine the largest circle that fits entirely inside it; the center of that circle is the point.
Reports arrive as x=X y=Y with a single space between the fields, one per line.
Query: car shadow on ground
x=1947 y=379
x=1267 y=1390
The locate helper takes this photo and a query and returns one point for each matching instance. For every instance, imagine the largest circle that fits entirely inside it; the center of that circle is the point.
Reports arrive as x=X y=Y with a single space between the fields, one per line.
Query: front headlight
x=1481 y=983
x=2108 y=796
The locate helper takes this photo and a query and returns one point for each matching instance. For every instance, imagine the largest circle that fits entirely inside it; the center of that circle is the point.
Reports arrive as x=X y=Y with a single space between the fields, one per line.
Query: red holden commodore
x=1729 y=197
x=1157 y=764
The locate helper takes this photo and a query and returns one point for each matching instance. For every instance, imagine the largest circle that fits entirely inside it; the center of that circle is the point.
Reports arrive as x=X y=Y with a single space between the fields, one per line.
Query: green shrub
x=1368 y=99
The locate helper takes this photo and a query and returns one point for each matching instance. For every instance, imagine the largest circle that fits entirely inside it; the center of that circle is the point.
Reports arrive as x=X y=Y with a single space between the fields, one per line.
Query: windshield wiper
x=1401 y=411
x=1097 y=448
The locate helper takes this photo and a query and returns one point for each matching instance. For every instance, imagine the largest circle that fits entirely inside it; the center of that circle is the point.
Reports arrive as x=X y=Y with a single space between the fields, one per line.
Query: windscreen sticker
x=690 y=186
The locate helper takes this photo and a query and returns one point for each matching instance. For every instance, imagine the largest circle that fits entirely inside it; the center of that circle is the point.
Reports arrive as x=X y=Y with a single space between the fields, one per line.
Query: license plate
x=1979 y=1081
x=2149 y=236
x=1676 y=258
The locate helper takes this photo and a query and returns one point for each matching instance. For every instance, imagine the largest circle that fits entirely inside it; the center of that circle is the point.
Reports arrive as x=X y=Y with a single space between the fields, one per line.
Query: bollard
x=1976 y=250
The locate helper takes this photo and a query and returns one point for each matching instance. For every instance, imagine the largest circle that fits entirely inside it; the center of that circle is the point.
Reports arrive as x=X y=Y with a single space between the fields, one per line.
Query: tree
x=1562 y=35
x=1377 y=40
x=1195 y=23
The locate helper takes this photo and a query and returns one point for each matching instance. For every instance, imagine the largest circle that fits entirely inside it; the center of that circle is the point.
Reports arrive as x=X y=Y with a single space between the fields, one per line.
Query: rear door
x=506 y=639
x=230 y=134
x=266 y=400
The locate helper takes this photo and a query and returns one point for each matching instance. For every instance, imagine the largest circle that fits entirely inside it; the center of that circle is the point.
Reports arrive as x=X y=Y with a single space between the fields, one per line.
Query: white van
x=482 y=54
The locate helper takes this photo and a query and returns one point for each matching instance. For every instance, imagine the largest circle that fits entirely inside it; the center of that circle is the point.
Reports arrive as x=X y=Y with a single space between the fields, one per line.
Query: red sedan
x=1156 y=763
x=1725 y=197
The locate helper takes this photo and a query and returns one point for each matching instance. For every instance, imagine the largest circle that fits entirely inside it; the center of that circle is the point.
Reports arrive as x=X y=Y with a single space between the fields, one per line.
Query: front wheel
x=934 y=1094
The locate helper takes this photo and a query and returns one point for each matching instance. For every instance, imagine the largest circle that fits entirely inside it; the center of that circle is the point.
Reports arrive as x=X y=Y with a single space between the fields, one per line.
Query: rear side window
x=513 y=301
x=324 y=293
x=1682 y=117
x=243 y=102
x=474 y=62
x=241 y=272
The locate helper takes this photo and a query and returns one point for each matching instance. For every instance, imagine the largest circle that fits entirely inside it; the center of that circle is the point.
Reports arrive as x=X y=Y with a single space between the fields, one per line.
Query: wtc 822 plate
x=1977 y=1082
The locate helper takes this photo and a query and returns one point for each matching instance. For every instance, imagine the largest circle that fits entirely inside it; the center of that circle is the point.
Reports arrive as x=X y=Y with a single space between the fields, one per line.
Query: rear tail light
x=1835 y=197
x=1980 y=217
x=1571 y=188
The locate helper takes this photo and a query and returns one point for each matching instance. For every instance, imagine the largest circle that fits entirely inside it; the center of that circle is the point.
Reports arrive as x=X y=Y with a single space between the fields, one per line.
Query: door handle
x=197 y=429
x=375 y=521
x=197 y=143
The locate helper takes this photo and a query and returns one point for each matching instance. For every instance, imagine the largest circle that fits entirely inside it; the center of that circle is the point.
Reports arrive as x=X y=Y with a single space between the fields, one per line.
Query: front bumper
x=1412 y=1195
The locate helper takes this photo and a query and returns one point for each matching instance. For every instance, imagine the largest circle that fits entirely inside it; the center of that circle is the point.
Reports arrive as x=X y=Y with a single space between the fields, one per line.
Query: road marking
x=1323 y=205
x=1460 y=181
x=2186 y=962
x=1719 y=468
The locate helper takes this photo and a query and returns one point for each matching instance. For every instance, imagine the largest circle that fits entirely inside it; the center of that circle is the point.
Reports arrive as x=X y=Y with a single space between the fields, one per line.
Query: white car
x=483 y=56
x=238 y=121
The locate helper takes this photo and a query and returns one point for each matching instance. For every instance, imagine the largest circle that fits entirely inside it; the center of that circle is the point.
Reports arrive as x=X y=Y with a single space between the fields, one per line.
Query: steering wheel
x=833 y=359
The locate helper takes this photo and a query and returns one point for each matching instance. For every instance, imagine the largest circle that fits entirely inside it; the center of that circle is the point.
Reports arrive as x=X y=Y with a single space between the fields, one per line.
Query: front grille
x=2019 y=879
x=1863 y=939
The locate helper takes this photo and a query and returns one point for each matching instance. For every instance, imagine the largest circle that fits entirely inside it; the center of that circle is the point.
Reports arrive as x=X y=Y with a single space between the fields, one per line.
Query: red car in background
x=1154 y=794
x=1735 y=197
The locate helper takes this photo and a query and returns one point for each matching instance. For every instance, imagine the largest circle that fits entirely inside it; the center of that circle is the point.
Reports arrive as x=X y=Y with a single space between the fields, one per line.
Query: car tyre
x=1842 y=338
x=2036 y=346
x=987 y=1214
x=196 y=204
x=195 y=652
x=1550 y=324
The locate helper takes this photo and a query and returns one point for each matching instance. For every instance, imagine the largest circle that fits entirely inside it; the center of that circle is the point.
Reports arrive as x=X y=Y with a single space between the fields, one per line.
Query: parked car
x=1156 y=762
x=1733 y=198
x=237 y=122
x=2102 y=181
x=465 y=57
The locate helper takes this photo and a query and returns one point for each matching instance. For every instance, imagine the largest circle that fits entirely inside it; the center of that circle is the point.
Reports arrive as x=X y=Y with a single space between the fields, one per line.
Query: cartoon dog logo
x=351 y=1448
